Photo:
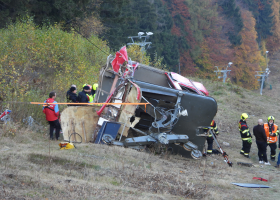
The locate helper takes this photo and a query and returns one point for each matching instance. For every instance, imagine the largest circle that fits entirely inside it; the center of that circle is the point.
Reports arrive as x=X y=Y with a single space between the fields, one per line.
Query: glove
x=249 y=141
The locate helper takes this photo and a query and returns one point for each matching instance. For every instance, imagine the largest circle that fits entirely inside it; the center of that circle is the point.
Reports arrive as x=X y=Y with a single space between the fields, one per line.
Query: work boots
x=247 y=156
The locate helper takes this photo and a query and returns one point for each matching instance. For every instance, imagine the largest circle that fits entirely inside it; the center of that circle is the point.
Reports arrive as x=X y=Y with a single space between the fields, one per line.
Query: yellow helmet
x=270 y=118
x=95 y=86
x=244 y=116
x=85 y=85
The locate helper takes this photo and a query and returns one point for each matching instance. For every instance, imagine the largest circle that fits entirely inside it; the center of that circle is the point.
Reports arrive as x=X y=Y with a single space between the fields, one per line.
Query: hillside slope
x=33 y=168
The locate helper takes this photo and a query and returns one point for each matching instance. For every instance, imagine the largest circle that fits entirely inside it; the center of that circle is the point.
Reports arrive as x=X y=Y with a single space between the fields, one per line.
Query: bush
x=37 y=60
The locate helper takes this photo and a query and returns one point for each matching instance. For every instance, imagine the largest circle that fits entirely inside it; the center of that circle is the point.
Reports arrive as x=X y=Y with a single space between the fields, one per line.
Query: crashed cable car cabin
x=176 y=112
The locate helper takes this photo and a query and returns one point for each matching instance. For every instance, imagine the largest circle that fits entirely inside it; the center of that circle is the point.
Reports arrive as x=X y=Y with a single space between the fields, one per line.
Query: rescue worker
x=90 y=95
x=94 y=88
x=245 y=135
x=52 y=113
x=271 y=131
x=209 y=138
x=82 y=97
x=261 y=142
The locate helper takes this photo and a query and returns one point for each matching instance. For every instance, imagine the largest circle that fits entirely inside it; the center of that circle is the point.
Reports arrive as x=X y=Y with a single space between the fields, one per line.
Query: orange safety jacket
x=271 y=139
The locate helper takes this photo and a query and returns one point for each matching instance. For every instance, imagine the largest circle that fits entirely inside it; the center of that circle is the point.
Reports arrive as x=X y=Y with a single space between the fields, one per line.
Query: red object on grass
x=4 y=113
x=259 y=178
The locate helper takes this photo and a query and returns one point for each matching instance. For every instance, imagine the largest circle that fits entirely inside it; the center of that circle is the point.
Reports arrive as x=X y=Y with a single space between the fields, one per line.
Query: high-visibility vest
x=271 y=139
x=90 y=98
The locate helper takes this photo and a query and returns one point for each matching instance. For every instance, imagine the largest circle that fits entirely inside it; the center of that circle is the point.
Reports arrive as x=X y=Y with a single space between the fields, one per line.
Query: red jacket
x=51 y=111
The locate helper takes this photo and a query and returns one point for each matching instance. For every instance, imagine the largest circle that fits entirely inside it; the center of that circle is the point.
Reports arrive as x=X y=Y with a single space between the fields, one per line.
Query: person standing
x=73 y=98
x=261 y=142
x=52 y=113
x=271 y=131
x=68 y=93
x=94 y=88
x=83 y=95
x=209 y=139
x=245 y=135
x=89 y=94
x=278 y=161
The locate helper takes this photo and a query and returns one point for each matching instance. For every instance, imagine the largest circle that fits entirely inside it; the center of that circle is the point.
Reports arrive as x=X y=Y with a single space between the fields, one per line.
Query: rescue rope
x=46 y=104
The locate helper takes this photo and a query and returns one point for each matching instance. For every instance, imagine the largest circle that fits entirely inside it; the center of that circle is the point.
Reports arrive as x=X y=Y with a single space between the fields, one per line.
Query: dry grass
x=29 y=171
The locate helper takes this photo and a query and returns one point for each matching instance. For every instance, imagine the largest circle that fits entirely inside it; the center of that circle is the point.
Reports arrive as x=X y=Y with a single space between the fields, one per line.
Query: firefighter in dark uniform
x=209 y=138
x=245 y=135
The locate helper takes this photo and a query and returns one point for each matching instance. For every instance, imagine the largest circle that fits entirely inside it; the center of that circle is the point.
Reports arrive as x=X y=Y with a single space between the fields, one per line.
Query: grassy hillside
x=32 y=167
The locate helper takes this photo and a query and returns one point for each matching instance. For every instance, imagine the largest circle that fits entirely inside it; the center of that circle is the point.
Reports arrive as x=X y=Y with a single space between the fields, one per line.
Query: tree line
x=198 y=34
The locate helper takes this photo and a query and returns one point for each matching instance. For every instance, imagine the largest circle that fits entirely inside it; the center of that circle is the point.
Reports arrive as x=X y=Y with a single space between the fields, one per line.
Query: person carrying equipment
x=209 y=138
x=245 y=135
x=261 y=142
x=271 y=131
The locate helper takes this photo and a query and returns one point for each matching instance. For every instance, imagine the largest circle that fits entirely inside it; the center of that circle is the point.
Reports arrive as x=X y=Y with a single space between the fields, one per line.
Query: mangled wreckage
x=146 y=107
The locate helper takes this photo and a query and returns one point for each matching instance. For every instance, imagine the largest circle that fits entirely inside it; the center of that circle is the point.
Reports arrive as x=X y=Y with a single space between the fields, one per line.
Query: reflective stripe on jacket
x=244 y=130
x=214 y=128
x=274 y=130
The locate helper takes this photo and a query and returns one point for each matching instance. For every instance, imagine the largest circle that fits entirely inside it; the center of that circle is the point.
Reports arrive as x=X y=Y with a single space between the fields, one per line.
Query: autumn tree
x=247 y=56
x=232 y=12
x=273 y=42
x=262 y=12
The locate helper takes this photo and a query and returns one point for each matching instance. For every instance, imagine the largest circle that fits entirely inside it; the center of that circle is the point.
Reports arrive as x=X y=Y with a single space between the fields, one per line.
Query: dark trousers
x=262 y=151
x=246 y=146
x=210 y=145
x=273 y=148
x=54 y=125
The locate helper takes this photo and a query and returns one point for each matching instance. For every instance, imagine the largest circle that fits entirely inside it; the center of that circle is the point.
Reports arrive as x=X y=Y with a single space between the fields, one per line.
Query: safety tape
x=46 y=104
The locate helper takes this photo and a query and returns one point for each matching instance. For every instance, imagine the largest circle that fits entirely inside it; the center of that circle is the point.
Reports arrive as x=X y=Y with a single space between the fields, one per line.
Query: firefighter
x=209 y=138
x=271 y=131
x=94 y=88
x=89 y=94
x=245 y=135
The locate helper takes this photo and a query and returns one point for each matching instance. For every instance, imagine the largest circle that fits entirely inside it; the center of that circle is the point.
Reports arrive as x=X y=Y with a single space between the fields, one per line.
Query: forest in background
x=198 y=34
